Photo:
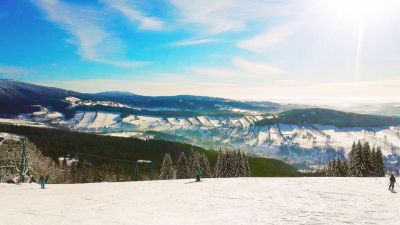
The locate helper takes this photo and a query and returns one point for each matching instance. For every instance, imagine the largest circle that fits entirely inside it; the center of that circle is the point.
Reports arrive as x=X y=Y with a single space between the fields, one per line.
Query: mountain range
x=302 y=135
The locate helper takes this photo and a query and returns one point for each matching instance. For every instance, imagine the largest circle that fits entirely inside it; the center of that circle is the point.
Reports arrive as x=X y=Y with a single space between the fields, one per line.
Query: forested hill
x=330 y=117
x=98 y=149
x=19 y=97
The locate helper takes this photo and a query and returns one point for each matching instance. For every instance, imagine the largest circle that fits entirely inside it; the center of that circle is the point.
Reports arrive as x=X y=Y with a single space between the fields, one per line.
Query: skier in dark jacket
x=392 y=181
x=46 y=179
x=198 y=174
x=42 y=181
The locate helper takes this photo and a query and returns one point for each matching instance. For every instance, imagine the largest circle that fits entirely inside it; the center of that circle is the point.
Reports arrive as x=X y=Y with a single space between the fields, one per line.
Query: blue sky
x=260 y=49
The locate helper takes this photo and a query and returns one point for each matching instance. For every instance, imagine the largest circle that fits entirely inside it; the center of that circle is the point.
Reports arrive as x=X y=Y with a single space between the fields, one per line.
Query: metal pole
x=134 y=171
x=151 y=171
x=23 y=161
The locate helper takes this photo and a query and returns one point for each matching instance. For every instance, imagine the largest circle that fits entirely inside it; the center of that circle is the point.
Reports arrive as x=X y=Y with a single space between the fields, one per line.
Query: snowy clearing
x=212 y=201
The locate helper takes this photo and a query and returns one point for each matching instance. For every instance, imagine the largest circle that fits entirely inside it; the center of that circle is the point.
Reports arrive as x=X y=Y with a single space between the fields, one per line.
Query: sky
x=259 y=49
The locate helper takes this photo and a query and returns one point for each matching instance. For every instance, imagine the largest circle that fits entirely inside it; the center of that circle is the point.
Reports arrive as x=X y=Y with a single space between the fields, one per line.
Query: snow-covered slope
x=212 y=201
x=243 y=132
x=297 y=143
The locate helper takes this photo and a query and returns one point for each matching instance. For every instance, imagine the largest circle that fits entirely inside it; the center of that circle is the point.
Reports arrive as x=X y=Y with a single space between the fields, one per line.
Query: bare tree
x=36 y=163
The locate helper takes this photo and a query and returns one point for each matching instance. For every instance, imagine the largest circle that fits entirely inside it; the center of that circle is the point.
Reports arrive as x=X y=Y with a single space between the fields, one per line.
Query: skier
x=197 y=173
x=42 y=181
x=392 y=181
x=46 y=179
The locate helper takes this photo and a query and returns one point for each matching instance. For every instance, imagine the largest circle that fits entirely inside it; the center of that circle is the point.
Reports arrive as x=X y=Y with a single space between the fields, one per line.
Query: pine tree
x=336 y=167
x=218 y=165
x=357 y=165
x=192 y=163
x=167 y=170
x=205 y=166
x=246 y=165
x=380 y=165
x=345 y=168
x=373 y=162
x=226 y=164
x=328 y=169
x=353 y=150
x=367 y=159
x=182 y=171
x=231 y=164
x=240 y=170
x=364 y=162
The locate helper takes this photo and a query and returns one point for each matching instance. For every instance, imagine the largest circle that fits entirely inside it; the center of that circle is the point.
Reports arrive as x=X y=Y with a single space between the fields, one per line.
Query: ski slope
x=212 y=201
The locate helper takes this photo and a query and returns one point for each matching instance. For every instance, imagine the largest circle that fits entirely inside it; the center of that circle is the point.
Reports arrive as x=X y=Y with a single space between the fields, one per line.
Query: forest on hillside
x=113 y=158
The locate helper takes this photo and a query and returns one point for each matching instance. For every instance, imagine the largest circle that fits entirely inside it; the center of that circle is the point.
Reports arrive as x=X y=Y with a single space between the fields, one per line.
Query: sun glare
x=355 y=16
x=359 y=9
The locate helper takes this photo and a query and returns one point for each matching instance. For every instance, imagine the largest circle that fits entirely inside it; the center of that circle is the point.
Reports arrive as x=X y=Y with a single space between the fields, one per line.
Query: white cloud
x=215 y=72
x=124 y=63
x=242 y=68
x=86 y=26
x=270 y=38
x=11 y=70
x=129 y=10
x=194 y=42
x=256 y=68
x=227 y=15
x=208 y=13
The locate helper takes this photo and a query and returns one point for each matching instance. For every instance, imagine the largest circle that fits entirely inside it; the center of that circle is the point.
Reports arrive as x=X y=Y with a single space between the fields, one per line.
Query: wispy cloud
x=194 y=42
x=210 y=14
x=256 y=68
x=8 y=71
x=86 y=26
x=242 y=68
x=129 y=10
x=271 y=38
x=215 y=72
x=227 y=15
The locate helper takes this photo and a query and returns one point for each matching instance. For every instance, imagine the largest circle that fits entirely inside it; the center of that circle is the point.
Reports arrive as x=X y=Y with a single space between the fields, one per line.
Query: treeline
x=362 y=162
x=95 y=158
x=230 y=163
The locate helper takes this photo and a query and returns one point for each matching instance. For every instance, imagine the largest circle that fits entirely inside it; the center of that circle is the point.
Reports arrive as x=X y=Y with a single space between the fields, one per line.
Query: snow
x=131 y=134
x=96 y=120
x=6 y=136
x=104 y=119
x=204 y=121
x=23 y=122
x=86 y=120
x=212 y=201
x=54 y=115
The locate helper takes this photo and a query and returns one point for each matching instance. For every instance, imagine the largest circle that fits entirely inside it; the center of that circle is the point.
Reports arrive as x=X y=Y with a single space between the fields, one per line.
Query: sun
x=353 y=17
x=359 y=10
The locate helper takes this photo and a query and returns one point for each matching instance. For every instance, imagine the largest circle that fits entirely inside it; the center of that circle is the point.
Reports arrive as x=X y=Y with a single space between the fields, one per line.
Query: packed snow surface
x=212 y=201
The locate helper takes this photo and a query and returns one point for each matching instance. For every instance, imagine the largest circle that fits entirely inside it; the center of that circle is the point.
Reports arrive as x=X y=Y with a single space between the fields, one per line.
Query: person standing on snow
x=392 y=181
x=198 y=174
x=42 y=181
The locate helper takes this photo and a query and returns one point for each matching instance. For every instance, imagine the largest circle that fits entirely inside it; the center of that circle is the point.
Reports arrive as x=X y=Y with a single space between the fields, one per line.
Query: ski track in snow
x=212 y=201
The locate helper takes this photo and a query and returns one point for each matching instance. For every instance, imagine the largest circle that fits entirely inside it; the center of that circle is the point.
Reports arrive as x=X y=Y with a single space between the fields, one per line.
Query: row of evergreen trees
x=362 y=162
x=230 y=163
x=185 y=167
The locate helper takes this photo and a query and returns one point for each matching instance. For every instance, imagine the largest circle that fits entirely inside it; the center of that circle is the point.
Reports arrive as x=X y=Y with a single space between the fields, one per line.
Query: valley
x=302 y=136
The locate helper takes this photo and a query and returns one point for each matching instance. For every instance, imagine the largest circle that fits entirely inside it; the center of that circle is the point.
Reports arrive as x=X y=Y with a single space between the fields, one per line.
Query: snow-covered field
x=212 y=201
